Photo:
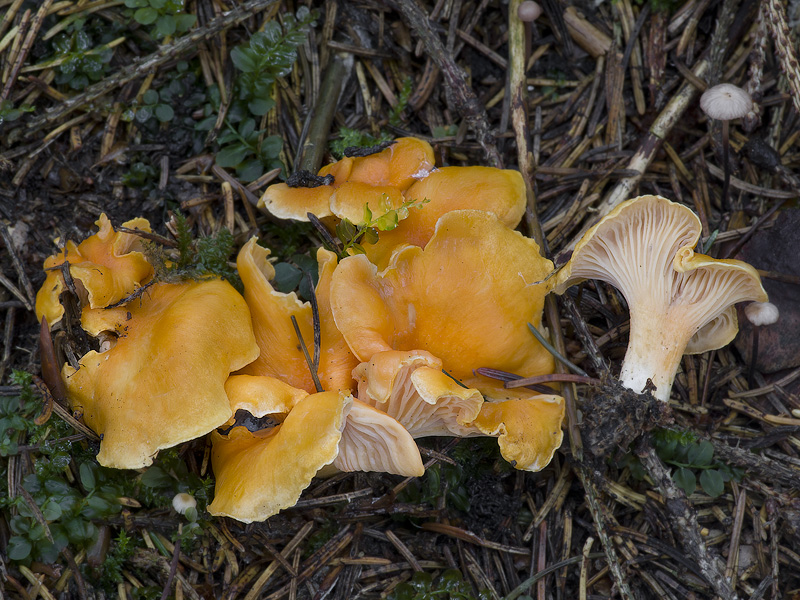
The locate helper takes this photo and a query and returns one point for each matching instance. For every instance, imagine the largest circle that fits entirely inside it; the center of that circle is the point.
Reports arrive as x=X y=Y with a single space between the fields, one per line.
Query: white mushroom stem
x=654 y=352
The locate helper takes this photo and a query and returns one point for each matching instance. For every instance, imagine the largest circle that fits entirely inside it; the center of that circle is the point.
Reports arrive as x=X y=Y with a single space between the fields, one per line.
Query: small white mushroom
x=724 y=102
x=183 y=502
x=529 y=11
x=759 y=314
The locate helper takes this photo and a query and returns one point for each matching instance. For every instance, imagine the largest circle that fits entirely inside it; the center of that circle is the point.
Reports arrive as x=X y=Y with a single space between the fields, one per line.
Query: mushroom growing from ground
x=162 y=382
x=760 y=314
x=260 y=472
x=677 y=298
x=725 y=102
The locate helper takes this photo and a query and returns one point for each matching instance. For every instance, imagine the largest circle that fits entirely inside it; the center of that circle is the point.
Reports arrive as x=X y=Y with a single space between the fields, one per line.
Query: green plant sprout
x=450 y=585
x=268 y=55
x=352 y=235
x=8 y=113
x=198 y=259
x=682 y=450
x=167 y=17
x=352 y=138
x=78 y=62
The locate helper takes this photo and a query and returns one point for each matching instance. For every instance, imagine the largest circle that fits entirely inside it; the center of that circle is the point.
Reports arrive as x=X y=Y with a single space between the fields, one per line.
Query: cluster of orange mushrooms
x=401 y=330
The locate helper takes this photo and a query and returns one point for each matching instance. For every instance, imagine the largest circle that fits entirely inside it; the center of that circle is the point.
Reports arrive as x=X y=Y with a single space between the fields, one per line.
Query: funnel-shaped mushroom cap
x=466 y=298
x=108 y=265
x=162 y=383
x=411 y=387
x=644 y=249
x=281 y=355
x=374 y=441
x=258 y=474
x=453 y=188
x=528 y=428
x=261 y=396
x=391 y=171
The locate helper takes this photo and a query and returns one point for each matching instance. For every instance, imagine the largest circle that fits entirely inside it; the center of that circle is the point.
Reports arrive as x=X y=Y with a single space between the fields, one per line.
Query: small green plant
x=197 y=259
x=402 y=102
x=8 y=113
x=352 y=235
x=270 y=54
x=77 y=60
x=167 y=17
x=352 y=138
x=450 y=585
x=693 y=461
x=299 y=273
x=153 y=106
x=139 y=175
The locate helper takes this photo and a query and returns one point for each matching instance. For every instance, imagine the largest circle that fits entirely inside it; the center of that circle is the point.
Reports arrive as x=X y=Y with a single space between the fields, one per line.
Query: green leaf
x=370 y=235
x=185 y=22
x=164 y=113
x=18 y=548
x=87 y=477
x=143 y=114
x=247 y=127
x=145 y=16
x=250 y=170
x=244 y=59
x=271 y=146
x=135 y=3
x=700 y=455
x=232 y=155
x=150 y=97
x=388 y=221
x=367 y=218
x=165 y=25
x=685 y=479
x=287 y=276
x=712 y=482
x=51 y=511
x=261 y=106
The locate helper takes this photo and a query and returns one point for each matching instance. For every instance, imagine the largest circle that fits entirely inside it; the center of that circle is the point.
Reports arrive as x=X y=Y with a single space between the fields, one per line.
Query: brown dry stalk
x=775 y=13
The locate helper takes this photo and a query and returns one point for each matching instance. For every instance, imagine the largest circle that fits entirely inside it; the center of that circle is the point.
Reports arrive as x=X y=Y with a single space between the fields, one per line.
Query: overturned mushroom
x=644 y=248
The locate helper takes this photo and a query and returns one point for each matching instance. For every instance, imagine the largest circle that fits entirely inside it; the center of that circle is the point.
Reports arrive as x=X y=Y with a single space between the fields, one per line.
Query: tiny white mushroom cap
x=725 y=102
x=529 y=11
x=183 y=502
x=761 y=313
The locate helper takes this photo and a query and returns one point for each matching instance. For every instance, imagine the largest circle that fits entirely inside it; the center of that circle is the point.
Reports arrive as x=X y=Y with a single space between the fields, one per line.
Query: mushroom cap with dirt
x=677 y=298
x=356 y=180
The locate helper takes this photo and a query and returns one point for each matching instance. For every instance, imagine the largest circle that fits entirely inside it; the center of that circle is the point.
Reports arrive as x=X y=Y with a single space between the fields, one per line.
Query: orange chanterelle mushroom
x=162 y=380
x=423 y=324
x=106 y=267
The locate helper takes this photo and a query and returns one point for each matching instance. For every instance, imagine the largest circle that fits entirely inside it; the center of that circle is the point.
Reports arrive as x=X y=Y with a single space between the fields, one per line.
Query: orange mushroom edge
x=106 y=267
x=162 y=380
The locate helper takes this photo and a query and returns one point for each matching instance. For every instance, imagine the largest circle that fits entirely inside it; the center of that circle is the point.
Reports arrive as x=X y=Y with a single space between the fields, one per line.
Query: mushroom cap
x=261 y=395
x=374 y=441
x=500 y=191
x=528 y=428
x=281 y=355
x=725 y=102
x=183 y=502
x=717 y=333
x=761 y=313
x=466 y=298
x=398 y=166
x=395 y=167
x=162 y=383
x=644 y=248
x=260 y=473
x=108 y=266
x=411 y=387
x=529 y=11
